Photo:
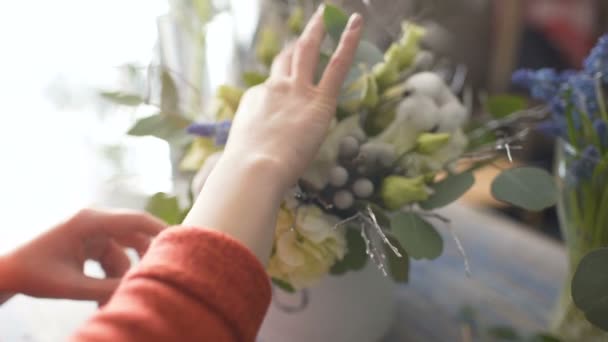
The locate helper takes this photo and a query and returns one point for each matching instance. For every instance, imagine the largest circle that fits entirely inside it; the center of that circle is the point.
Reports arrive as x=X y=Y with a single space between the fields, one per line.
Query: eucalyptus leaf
x=449 y=190
x=590 y=287
x=355 y=258
x=283 y=285
x=166 y=208
x=368 y=54
x=399 y=267
x=121 y=98
x=503 y=105
x=418 y=237
x=167 y=127
x=169 y=98
x=504 y=333
x=335 y=21
x=525 y=187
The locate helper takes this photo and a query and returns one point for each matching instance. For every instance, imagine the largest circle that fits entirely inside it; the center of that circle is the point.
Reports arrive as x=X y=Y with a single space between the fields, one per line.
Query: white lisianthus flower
x=306 y=248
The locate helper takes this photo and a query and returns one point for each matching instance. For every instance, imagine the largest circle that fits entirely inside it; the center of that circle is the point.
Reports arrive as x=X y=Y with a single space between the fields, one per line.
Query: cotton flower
x=307 y=247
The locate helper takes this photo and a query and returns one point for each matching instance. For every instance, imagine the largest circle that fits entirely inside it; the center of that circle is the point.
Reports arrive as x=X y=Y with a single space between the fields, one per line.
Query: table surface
x=516 y=277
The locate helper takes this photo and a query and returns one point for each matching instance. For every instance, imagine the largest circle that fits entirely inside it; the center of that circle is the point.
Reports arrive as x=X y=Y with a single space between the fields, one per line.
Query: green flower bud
x=196 y=155
x=268 y=46
x=398 y=191
x=363 y=93
x=252 y=78
x=429 y=143
x=371 y=96
x=295 y=23
x=386 y=73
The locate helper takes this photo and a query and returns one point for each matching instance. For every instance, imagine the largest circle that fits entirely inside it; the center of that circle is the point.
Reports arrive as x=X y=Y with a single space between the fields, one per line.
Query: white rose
x=306 y=249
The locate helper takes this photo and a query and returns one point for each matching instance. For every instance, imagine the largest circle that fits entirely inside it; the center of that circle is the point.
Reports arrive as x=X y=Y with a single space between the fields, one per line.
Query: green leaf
x=543 y=338
x=283 y=285
x=121 y=98
x=399 y=267
x=166 y=208
x=504 y=333
x=169 y=97
x=335 y=21
x=590 y=287
x=356 y=258
x=503 y=105
x=529 y=188
x=167 y=127
x=252 y=78
x=448 y=190
x=368 y=54
x=418 y=237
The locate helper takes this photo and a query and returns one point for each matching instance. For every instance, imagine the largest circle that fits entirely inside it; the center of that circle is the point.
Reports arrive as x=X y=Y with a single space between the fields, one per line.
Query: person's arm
x=6 y=286
x=205 y=280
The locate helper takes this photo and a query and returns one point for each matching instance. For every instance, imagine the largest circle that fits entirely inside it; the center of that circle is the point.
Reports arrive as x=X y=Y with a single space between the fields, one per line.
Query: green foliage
x=399 y=267
x=283 y=285
x=448 y=190
x=121 y=98
x=169 y=97
x=355 y=258
x=590 y=287
x=167 y=127
x=418 y=237
x=529 y=188
x=252 y=78
x=500 y=106
x=504 y=333
x=335 y=21
x=166 y=208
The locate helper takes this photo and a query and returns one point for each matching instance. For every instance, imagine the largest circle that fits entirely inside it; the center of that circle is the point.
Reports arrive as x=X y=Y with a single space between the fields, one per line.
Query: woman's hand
x=51 y=266
x=286 y=119
x=276 y=133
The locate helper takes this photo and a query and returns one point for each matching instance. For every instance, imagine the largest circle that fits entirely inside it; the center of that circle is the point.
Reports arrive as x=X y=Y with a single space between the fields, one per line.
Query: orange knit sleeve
x=192 y=285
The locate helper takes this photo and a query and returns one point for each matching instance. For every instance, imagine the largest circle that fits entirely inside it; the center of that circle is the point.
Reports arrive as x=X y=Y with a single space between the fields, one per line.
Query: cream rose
x=307 y=247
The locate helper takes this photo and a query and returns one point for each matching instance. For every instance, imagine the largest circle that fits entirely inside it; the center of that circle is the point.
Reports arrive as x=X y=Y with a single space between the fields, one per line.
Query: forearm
x=241 y=198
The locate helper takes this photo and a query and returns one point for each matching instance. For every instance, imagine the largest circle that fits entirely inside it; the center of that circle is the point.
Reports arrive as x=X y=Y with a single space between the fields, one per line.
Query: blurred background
x=63 y=147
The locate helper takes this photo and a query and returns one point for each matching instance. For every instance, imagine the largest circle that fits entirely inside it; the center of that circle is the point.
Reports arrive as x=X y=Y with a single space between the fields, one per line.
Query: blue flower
x=601 y=128
x=583 y=168
x=218 y=130
x=584 y=95
x=597 y=61
x=542 y=84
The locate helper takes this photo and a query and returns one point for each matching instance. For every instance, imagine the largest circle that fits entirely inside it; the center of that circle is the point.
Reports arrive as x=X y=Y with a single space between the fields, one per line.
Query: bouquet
x=403 y=145
x=390 y=159
x=579 y=120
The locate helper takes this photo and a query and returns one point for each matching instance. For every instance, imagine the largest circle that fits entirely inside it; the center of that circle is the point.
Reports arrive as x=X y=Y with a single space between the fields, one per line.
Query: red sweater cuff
x=213 y=269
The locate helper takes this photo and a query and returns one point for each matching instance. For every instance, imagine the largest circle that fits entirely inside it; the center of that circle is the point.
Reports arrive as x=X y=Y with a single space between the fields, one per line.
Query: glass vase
x=583 y=215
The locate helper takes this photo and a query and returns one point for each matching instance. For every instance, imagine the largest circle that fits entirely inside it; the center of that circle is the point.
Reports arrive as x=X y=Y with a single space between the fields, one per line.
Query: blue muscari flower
x=542 y=84
x=218 y=130
x=221 y=132
x=584 y=95
x=601 y=128
x=583 y=168
x=597 y=61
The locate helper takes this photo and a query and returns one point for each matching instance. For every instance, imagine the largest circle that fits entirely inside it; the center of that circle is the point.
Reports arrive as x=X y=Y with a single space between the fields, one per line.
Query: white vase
x=354 y=307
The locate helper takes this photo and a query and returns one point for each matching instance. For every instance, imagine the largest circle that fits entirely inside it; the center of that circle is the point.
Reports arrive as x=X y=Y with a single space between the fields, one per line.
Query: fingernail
x=321 y=8
x=355 y=21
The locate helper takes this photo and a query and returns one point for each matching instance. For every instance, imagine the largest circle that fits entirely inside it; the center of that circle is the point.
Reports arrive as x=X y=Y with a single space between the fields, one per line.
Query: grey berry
x=363 y=188
x=338 y=176
x=343 y=199
x=386 y=156
x=349 y=147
